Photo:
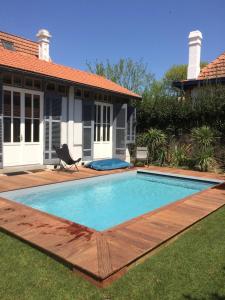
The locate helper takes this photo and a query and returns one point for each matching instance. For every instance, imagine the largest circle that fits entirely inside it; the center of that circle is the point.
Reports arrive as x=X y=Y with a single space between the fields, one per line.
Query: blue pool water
x=106 y=201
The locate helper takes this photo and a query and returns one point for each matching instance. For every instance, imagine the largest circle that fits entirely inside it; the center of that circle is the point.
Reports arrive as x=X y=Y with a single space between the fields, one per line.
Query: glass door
x=12 y=116
x=32 y=118
x=102 y=130
x=22 y=122
x=102 y=123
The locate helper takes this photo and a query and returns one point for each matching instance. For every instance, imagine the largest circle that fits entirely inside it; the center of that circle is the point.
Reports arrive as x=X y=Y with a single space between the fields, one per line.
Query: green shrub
x=203 y=150
x=156 y=142
x=205 y=160
x=179 y=154
x=203 y=137
x=139 y=164
x=140 y=140
x=194 y=150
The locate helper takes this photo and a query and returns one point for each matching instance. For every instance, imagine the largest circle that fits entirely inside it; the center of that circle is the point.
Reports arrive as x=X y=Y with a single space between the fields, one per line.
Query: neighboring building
x=44 y=104
x=213 y=73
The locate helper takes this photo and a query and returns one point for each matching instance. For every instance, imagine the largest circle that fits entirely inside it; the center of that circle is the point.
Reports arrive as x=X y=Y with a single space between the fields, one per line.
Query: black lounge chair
x=65 y=159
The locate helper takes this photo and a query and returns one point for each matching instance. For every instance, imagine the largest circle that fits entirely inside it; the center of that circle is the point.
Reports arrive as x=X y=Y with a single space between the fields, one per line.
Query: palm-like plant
x=206 y=160
x=179 y=154
x=204 y=138
x=155 y=140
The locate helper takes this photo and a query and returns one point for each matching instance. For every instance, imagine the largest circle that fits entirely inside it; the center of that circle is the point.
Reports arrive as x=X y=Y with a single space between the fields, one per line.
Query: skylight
x=8 y=45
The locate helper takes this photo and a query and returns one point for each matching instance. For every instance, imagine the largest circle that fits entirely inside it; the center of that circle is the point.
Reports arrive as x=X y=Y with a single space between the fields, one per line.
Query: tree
x=133 y=75
x=176 y=73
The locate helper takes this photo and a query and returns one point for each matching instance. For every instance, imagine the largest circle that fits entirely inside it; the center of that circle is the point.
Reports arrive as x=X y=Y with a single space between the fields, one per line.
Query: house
x=44 y=104
x=213 y=73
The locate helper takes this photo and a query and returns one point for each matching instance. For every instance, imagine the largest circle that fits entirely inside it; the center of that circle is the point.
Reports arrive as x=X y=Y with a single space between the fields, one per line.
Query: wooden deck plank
x=155 y=231
x=101 y=254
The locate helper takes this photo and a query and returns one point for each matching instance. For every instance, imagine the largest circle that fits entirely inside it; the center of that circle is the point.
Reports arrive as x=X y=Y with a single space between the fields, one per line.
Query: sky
x=155 y=31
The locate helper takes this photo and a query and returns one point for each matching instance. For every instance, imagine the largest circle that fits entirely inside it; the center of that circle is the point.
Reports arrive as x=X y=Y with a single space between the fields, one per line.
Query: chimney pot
x=44 y=36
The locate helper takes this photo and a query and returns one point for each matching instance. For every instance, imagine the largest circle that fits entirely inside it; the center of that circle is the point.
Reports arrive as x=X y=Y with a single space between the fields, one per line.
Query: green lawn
x=192 y=267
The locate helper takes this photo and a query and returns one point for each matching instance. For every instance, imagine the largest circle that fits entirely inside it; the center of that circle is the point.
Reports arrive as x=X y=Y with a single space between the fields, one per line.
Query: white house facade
x=43 y=104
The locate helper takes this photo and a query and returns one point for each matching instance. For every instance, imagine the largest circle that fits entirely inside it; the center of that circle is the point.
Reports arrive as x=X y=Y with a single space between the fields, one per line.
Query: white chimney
x=195 y=42
x=44 y=36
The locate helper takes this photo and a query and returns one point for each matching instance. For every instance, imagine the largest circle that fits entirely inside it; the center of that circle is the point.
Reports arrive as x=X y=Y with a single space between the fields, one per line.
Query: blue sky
x=84 y=30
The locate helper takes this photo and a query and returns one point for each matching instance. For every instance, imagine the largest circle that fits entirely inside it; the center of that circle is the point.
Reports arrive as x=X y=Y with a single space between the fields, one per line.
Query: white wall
x=64 y=127
x=77 y=127
x=70 y=119
x=71 y=127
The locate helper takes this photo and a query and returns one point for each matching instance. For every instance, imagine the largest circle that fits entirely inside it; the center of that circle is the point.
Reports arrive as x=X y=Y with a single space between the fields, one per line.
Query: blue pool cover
x=108 y=164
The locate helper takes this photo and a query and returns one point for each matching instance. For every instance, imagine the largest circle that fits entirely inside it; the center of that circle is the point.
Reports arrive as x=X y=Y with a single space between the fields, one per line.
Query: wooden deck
x=101 y=257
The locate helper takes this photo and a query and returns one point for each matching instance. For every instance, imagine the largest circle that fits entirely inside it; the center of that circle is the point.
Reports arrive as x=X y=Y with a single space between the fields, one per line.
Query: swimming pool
x=105 y=201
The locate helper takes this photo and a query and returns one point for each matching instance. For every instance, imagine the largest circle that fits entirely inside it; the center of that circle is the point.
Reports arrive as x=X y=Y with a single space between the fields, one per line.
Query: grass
x=192 y=267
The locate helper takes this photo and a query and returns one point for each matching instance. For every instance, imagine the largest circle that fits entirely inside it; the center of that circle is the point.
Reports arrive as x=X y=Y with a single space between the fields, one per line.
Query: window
x=32 y=118
x=50 y=86
x=8 y=45
x=32 y=83
x=7 y=103
x=13 y=114
x=28 y=116
x=36 y=117
x=86 y=94
x=78 y=93
x=17 y=80
x=7 y=116
x=7 y=78
x=100 y=97
x=102 y=123
x=12 y=79
x=97 y=124
x=12 y=104
x=28 y=82
x=16 y=117
x=62 y=90
x=37 y=84
x=7 y=130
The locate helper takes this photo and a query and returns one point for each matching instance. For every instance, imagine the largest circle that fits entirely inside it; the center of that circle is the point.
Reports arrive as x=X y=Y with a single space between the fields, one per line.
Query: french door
x=102 y=130
x=22 y=127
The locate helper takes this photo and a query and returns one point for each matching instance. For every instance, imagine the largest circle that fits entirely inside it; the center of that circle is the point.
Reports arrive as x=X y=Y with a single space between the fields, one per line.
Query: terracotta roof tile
x=30 y=63
x=215 y=69
x=20 y=44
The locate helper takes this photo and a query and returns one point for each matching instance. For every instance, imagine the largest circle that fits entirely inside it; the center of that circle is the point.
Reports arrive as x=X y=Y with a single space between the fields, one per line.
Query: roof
x=30 y=63
x=214 y=69
x=20 y=44
x=214 y=72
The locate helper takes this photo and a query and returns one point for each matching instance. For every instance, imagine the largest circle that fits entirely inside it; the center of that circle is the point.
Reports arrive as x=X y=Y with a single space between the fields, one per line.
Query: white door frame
x=24 y=151
x=103 y=149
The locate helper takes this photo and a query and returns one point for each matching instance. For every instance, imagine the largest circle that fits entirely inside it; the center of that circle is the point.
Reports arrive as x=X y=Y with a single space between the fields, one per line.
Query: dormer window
x=8 y=45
